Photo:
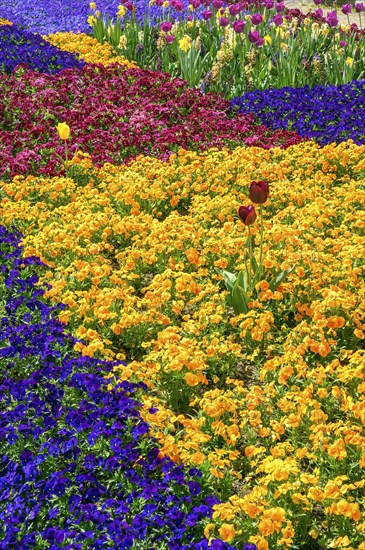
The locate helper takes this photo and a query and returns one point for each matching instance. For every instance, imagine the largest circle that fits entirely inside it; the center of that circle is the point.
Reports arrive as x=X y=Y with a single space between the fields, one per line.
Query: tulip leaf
x=229 y=279
x=254 y=266
x=240 y=299
x=276 y=281
x=242 y=280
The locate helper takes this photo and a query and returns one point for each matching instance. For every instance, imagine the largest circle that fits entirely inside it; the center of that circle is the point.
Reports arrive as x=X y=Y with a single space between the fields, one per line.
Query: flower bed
x=50 y=16
x=115 y=115
x=77 y=467
x=268 y=404
x=210 y=352
x=234 y=47
x=19 y=46
x=324 y=113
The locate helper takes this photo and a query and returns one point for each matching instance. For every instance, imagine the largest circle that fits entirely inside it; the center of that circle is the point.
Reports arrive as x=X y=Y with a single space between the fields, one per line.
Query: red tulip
x=247 y=214
x=259 y=191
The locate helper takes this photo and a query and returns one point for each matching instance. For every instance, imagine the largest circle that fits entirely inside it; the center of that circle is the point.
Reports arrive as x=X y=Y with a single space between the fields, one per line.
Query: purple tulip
x=196 y=4
x=332 y=18
x=359 y=7
x=166 y=26
x=346 y=9
x=217 y=4
x=259 y=191
x=269 y=4
x=207 y=14
x=318 y=13
x=223 y=22
x=247 y=214
x=280 y=7
x=179 y=6
x=343 y=43
x=278 y=19
x=317 y=2
x=234 y=9
x=256 y=18
x=169 y=38
x=129 y=6
x=254 y=37
x=239 y=26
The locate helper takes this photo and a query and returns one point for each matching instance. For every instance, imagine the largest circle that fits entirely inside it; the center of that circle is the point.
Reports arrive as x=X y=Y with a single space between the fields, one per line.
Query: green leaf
x=276 y=281
x=229 y=279
x=242 y=280
x=240 y=299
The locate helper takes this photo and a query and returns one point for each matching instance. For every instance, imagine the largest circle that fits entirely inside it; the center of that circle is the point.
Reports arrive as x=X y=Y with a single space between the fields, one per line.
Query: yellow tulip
x=63 y=130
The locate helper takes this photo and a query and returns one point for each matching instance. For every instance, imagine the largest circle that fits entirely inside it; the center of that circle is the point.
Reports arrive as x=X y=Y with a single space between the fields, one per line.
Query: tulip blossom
x=63 y=130
x=359 y=7
x=207 y=14
x=278 y=19
x=259 y=191
x=217 y=4
x=239 y=26
x=247 y=214
x=223 y=21
x=346 y=9
x=234 y=9
x=166 y=26
x=332 y=19
x=179 y=6
x=255 y=38
x=256 y=18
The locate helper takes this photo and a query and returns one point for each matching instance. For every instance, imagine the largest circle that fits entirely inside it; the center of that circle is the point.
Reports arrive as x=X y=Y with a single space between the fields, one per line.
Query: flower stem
x=66 y=161
x=261 y=240
x=251 y=271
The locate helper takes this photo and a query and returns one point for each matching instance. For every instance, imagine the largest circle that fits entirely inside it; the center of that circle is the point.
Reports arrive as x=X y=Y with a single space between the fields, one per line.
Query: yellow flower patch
x=87 y=48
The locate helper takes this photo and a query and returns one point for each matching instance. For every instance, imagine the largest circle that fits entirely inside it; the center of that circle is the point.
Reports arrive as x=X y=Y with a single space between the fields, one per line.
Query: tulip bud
x=254 y=36
x=278 y=19
x=332 y=19
x=63 y=130
x=234 y=9
x=223 y=21
x=207 y=14
x=247 y=214
x=259 y=191
x=346 y=9
x=238 y=26
x=166 y=26
x=256 y=18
